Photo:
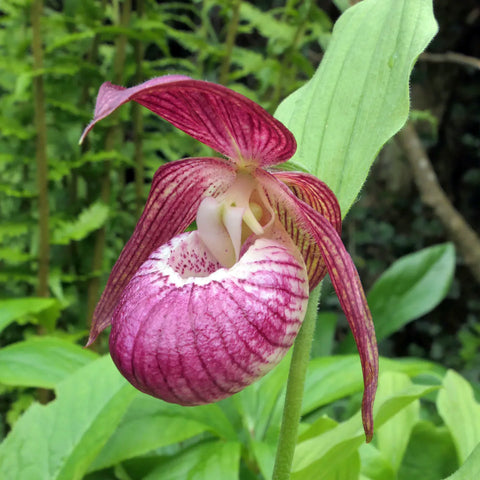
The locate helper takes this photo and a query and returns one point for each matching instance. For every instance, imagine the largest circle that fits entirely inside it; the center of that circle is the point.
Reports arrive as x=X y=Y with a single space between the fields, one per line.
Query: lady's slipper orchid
x=198 y=316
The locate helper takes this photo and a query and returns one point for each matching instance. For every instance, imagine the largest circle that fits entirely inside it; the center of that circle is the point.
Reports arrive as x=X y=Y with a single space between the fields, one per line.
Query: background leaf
x=430 y=454
x=319 y=456
x=392 y=437
x=261 y=404
x=411 y=287
x=374 y=465
x=324 y=384
x=202 y=462
x=13 y=309
x=89 y=220
x=470 y=469
x=460 y=412
x=358 y=98
x=151 y=423
x=41 y=361
x=59 y=441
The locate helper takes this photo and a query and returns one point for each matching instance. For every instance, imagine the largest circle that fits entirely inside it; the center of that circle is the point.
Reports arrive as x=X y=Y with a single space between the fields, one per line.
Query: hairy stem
x=229 y=42
x=40 y=152
x=294 y=395
x=99 y=248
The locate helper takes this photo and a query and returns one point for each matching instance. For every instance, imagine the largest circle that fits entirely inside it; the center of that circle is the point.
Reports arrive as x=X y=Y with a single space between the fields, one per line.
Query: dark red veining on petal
x=313 y=192
x=176 y=192
x=344 y=278
x=228 y=122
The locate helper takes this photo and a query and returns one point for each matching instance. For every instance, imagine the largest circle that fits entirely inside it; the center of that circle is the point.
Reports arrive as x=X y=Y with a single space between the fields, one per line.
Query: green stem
x=43 y=395
x=41 y=152
x=294 y=395
x=229 y=42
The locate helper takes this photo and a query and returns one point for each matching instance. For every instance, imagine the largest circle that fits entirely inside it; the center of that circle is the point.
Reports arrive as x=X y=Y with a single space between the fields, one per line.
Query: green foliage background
x=95 y=193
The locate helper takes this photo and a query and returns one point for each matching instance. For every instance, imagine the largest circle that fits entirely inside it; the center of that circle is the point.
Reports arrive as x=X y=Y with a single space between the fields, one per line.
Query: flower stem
x=40 y=152
x=229 y=42
x=294 y=395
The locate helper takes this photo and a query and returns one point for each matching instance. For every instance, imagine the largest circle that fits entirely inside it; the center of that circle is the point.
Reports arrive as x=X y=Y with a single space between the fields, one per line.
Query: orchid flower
x=198 y=316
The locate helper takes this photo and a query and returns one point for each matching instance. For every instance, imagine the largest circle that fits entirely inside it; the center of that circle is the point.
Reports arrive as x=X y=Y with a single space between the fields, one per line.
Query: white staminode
x=221 y=221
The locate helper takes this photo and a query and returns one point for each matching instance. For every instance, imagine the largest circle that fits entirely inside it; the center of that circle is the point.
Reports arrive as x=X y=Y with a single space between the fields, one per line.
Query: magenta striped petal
x=177 y=189
x=190 y=332
x=344 y=278
x=217 y=116
x=315 y=193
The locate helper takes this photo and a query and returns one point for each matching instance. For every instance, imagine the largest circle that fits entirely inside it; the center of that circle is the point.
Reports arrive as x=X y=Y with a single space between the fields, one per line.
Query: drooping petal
x=344 y=278
x=315 y=193
x=177 y=189
x=190 y=332
x=217 y=116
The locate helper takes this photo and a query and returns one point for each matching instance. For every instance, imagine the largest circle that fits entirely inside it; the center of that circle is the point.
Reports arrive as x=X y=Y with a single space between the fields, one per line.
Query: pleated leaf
x=358 y=98
x=461 y=413
x=41 y=361
x=59 y=441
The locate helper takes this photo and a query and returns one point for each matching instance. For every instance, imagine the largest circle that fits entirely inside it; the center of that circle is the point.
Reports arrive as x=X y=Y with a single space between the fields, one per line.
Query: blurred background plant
x=66 y=211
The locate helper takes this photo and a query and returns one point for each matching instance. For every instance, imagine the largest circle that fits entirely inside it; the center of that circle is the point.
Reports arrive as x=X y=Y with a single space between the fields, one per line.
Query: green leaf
x=65 y=39
x=324 y=384
x=319 y=427
x=349 y=469
x=342 y=4
x=206 y=461
x=411 y=287
x=89 y=220
x=14 y=255
x=13 y=229
x=150 y=424
x=58 y=441
x=374 y=465
x=210 y=415
x=470 y=469
x=260 y=404
x=400 y=400
x=393 y=436
x=358 y=98
x=460 y=412
x=413 y=367
x=324 y=335
x=430 y=454
x=281 y=33
x=317 y=457
x=265 y=456
x=13 y=309
x=41 y=362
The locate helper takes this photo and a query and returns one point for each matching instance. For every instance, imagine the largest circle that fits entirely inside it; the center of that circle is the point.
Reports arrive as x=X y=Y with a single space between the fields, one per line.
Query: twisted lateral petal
x=345 y=280
x=217 y=116
x=190 y=332
x=314 y=192
x=177 y=189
